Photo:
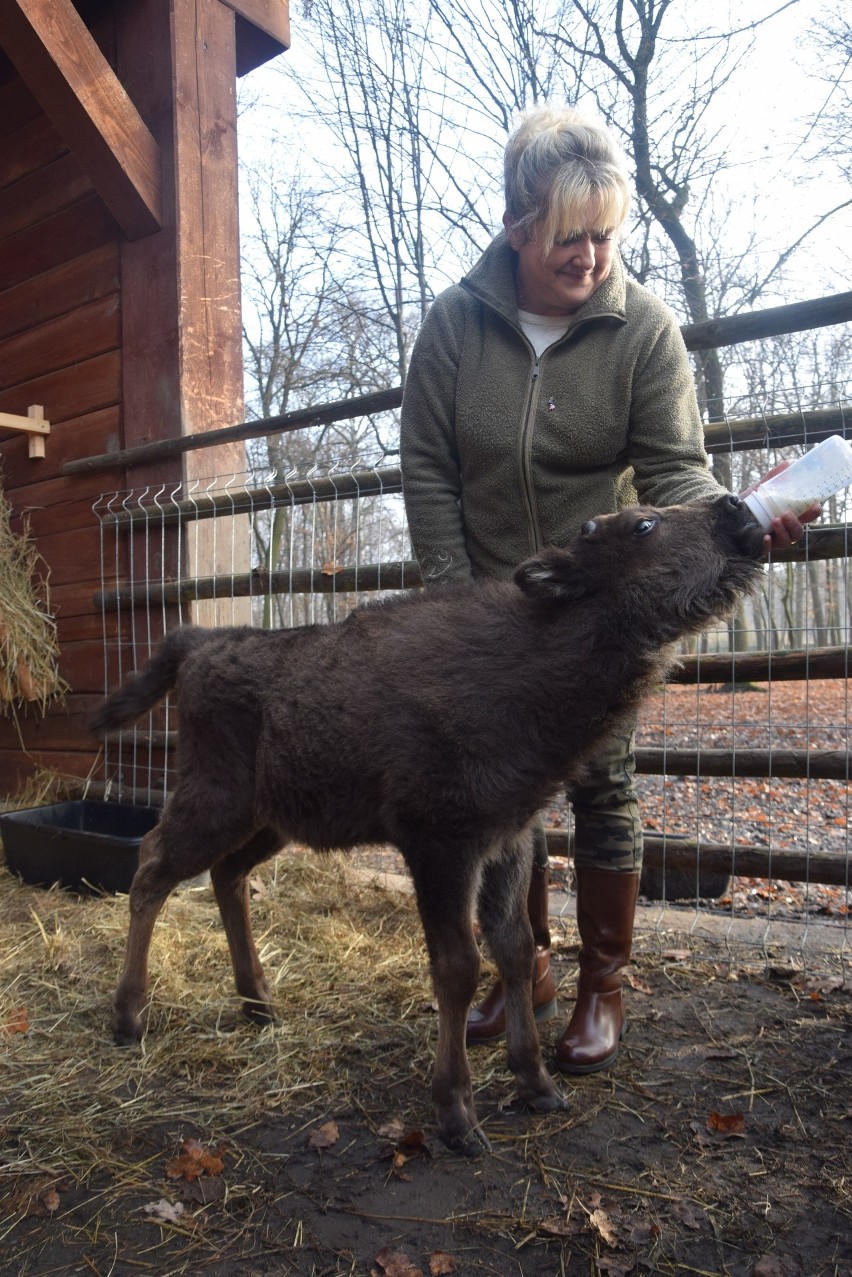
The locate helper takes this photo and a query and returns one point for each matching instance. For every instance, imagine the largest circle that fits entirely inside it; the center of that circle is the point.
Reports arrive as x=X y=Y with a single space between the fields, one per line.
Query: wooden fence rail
x=690 y=856
x=730 y=330
x=685 y=857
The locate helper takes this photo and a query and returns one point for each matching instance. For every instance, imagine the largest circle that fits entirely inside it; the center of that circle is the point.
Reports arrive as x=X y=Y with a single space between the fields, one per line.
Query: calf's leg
x=505 y=924
x=230 y=884
x=192 y=834
x=444 y=899
x=152 y=884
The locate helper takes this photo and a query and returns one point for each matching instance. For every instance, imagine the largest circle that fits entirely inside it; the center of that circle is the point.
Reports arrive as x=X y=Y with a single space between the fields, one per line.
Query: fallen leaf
x=615 y=1265
x=776 y=1266
x=325 y=1136
x=641 y=1233
x=395 y=1263
x=559 y=1227
x=408 y=1144
x=168 y=1212
x=392 y=1130
x=726 y=1123
x=635 y=983
x=602 y=1224
x=50 y=1200
x=699 y=1135
x=677 y=955
x=441 y=1263
x=17 y=1021
x=817 y=985
x=690 y=1215
x=784 y=972
x=195 y=1160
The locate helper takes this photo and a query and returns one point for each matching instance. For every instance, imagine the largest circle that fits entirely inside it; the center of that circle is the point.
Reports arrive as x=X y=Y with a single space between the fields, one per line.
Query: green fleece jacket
x=503 y=455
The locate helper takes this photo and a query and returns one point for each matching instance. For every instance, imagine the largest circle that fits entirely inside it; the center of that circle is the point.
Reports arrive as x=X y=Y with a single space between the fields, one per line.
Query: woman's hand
x=787 y=528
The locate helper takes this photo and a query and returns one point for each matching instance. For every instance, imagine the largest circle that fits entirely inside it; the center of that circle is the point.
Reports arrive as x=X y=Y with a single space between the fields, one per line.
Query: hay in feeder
x=29 y=652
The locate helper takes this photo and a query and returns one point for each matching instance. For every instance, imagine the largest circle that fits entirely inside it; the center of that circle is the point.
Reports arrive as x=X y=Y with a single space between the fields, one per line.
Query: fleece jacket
x=503 y=454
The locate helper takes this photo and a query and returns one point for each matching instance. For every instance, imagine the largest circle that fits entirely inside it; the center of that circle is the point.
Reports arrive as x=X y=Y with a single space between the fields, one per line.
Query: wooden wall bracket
x=33 y=424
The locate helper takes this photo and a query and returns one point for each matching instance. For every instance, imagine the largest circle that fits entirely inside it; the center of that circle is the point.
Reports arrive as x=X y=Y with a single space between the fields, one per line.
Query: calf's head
x=679 y=567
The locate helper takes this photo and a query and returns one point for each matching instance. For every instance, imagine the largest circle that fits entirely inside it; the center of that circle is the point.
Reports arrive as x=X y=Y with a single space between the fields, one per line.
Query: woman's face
x=560 y=282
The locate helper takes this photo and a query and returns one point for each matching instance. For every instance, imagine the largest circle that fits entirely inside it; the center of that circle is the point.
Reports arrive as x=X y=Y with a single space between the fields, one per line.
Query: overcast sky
x=763 y=112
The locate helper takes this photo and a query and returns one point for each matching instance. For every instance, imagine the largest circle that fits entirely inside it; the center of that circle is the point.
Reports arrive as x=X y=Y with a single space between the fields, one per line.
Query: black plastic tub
x=85 y=845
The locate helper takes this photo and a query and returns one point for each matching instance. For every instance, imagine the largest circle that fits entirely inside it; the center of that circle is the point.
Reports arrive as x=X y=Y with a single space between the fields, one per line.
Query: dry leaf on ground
x=602 y=1225
x=726 y=1123
x=395 y=1263
x=17 y=1021
x=50 y=1200
x=195 y=1160
x=168 y=1212
x=325 y=1136
x=441 y=1263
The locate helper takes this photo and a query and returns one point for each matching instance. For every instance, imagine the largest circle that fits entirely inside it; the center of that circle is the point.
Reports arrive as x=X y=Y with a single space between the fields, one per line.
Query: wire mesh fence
x=742 y=757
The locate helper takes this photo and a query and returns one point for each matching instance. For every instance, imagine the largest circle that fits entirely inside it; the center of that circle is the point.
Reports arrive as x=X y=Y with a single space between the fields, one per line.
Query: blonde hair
x=564 y=173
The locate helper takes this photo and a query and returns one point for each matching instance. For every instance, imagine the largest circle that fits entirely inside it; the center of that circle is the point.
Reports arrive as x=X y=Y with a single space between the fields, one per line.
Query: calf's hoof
x=127 y=1030
x=259 y=1013
x=471 y=1143
x=553 y=1102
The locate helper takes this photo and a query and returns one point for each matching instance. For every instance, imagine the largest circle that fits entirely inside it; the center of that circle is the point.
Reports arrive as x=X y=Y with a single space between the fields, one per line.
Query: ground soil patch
x=721 y=1143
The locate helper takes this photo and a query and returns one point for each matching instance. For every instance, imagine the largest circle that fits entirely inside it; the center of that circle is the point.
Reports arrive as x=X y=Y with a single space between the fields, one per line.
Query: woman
x=544 y=389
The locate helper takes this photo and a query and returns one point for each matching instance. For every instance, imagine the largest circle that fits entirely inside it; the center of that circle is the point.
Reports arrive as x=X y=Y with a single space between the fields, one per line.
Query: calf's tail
x=142 y=690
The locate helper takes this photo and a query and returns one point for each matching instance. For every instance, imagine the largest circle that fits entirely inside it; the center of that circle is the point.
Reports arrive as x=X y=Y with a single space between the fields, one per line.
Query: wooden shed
x=119 y=282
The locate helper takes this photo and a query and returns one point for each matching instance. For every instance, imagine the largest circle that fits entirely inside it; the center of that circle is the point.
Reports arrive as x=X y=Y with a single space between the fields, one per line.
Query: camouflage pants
x=607 y=826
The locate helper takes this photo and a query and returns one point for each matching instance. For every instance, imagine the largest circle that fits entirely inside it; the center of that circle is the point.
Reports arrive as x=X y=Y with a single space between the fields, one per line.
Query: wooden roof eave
x=262 y=31
x=59 y=61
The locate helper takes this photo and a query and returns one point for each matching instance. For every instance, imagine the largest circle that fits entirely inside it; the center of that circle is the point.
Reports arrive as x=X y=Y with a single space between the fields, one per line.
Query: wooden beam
x=753 y=325
x=686 y=855
x=271 y=16
x=262 y=29
x=59 y=61
x=763 y=667
x=401 y=575
x=33 y=424
x=299 y=419
x=792 y=764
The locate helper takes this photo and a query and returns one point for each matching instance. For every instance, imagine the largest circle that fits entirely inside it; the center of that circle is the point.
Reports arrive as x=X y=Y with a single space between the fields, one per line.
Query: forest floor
x=719 y=1144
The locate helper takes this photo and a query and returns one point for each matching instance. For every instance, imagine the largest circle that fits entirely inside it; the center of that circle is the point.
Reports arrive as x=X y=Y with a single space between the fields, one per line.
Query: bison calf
x=440 y=722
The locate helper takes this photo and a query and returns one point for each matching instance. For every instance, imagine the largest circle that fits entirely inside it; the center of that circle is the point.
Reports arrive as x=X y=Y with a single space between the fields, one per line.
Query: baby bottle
x=812 y=478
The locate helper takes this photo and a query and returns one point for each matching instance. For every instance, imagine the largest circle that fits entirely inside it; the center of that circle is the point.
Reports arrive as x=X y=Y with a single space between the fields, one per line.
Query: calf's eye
x=644 y=526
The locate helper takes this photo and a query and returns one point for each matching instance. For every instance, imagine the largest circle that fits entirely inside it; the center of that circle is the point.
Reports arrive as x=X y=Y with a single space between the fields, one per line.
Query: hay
x=68 y=1094
x=29 y=652
x=88 y=1132
x=42 y=787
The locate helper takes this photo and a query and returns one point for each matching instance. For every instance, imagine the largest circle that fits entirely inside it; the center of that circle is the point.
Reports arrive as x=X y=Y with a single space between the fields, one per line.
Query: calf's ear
x=553 y=575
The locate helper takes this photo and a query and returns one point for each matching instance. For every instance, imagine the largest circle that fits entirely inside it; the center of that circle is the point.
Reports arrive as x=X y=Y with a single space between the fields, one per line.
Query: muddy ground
x=721 y=1142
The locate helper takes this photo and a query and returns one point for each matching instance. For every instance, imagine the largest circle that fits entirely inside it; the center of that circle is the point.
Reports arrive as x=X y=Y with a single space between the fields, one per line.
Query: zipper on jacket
x=525 y=456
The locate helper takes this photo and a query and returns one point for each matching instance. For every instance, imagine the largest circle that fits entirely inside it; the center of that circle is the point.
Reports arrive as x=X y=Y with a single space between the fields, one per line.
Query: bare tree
x=309 y=337
x=368 y=73
x=833 y=119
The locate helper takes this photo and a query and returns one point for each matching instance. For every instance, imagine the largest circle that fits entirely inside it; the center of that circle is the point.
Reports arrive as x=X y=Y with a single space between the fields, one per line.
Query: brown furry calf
x=441 y=722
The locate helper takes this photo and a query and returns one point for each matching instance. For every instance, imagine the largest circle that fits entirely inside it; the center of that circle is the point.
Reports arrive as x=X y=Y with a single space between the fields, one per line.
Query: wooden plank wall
x=60 y=346
x=122 y=340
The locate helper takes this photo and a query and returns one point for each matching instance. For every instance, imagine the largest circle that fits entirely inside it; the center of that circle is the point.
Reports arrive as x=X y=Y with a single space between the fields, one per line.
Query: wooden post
x=181 y=316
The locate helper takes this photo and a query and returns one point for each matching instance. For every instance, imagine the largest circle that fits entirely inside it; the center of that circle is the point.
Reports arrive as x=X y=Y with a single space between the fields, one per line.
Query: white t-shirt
x=542 y=330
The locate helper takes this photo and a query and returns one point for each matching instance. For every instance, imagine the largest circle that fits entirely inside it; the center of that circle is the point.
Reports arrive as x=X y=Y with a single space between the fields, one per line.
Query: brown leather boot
x=606 y=905
x=487 y=1022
